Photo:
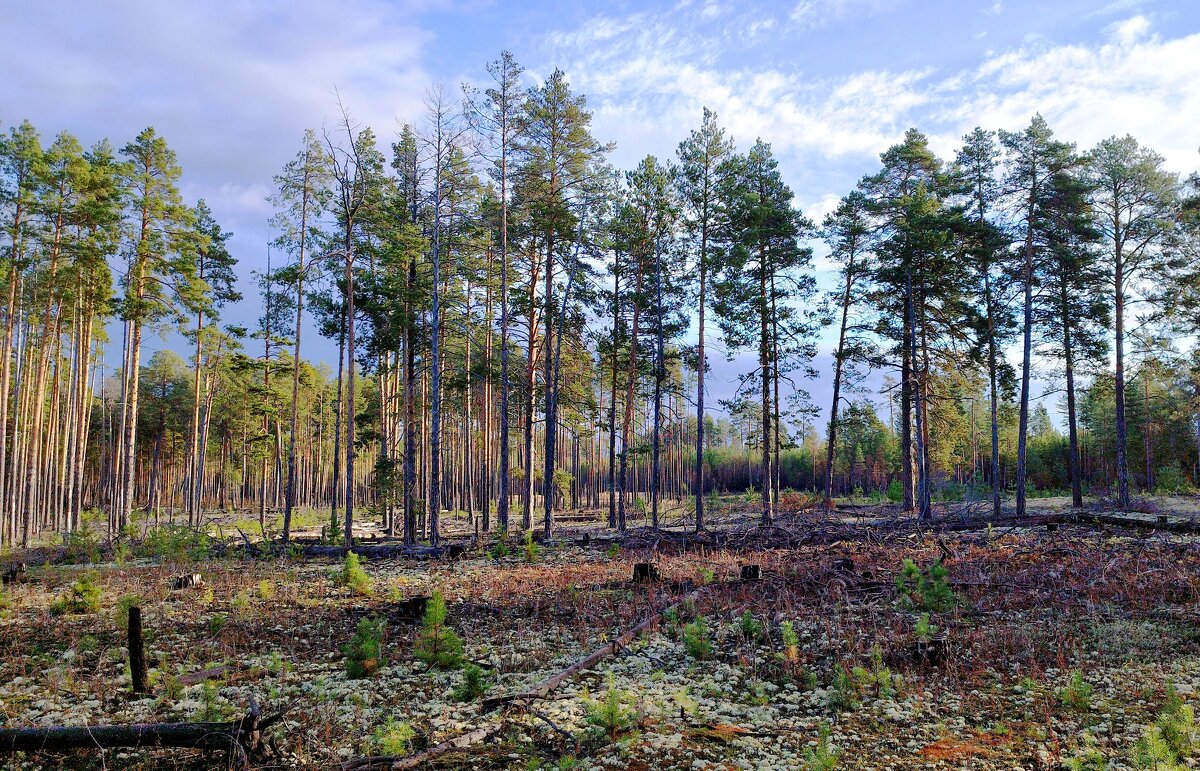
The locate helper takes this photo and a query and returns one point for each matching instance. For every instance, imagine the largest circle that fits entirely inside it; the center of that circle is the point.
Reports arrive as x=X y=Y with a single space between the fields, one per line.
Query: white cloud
x=811 y=14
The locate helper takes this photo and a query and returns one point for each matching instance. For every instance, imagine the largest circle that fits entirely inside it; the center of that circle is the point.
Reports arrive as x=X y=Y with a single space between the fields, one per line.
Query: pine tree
x=701 y=157
x=302 y=195
x=763 y=264
x=1134 y=200
x=1034 y=157
x=160 y=269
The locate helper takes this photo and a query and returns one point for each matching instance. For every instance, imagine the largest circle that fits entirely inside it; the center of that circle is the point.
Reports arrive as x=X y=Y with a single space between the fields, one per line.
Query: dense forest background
x=524 y=329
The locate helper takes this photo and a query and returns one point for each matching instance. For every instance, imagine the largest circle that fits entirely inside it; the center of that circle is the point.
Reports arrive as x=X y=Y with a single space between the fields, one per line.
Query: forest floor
x=1040 y=647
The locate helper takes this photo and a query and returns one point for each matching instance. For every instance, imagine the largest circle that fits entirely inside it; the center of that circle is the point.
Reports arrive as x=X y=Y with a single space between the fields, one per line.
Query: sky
x=232 y=85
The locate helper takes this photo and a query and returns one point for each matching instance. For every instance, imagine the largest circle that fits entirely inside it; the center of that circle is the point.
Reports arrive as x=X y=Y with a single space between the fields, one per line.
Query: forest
x=942 y=516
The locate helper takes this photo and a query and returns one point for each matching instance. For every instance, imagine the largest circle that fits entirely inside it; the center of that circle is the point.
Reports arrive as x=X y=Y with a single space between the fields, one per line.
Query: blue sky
x=830 y=83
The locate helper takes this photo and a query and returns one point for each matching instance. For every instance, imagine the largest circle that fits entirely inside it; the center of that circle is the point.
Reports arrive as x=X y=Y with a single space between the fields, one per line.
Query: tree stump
x=843 y=565
x=645 y=571
x=412 y=610
x=186 y=581
x=17 y=574
x=137 y=654
x=1051 y=527
x=751 y=573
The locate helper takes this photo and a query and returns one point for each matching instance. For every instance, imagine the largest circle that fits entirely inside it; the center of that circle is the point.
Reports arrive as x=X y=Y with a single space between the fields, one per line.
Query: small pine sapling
x=474 y=685
x=749 y=627
x=1076 y=695
x=530 y=549
x=393 y=738
x=822 y=757
x=926 y=590
x=437 y=645
x=611 y=713
x=364 y=653
x=695 y=639
x=791 y=642
x=353 y=577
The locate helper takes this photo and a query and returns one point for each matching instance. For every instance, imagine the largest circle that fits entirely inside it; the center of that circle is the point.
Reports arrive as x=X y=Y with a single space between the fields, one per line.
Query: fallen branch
x=459 y=742
x=542 y=689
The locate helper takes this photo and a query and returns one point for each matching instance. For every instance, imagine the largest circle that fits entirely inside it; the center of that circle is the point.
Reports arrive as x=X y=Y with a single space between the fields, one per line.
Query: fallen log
x=241 y=738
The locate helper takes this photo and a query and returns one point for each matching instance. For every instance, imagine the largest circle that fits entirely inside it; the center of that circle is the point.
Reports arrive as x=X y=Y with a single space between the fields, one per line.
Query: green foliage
x=923 y=630
x=1088 y=757
x=1171 y=480
x=500 y=550
x=612 y=713
x=83 y=544
x=364 y=653
x=216 y=622
x=209 y=711
x=530 y=549
x=895 y=491
x=844 y=691
x=393 y=738
x=696 y=639
x=787 y=632
x=1173 y=739
x=126 y=602
x=353 y=577
x=175 y=543
x=1076 y=695
x=5 y=602
x=266 y=590
x=707 y=576
x=925 y=590
x=83 y=596
x=613 y=551
x=437 y=645
x=240 y=602
x=750 y=628
x=822 y=757
x=474 y=685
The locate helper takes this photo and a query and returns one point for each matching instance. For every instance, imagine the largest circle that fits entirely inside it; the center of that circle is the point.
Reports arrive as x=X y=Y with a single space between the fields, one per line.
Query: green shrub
x=437 y=645
x=83 y=545
x=530 y=549
x=695 y=639
x=1173 y=739
x=500 y=550
x=926 y=590
x=266 y=590
x=822 y=757
x=353 y=577
x=895 y=491
x=707 y=576
x=474 y=686
x=844 y=692
x=1076 y=695
x=923 y=630
x=613 y=551
x=749 y=627
x=175 y=543
x=83 y=596
x=126 y=602
x=209 y=711
x=364 y=652
x=612 y=713
x=393 y=738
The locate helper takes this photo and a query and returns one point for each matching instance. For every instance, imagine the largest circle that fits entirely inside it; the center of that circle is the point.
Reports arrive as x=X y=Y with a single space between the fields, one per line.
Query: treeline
x=512 y=318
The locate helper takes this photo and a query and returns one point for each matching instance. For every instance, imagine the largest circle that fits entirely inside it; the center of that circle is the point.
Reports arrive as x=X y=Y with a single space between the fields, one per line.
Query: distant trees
x=499 y=239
